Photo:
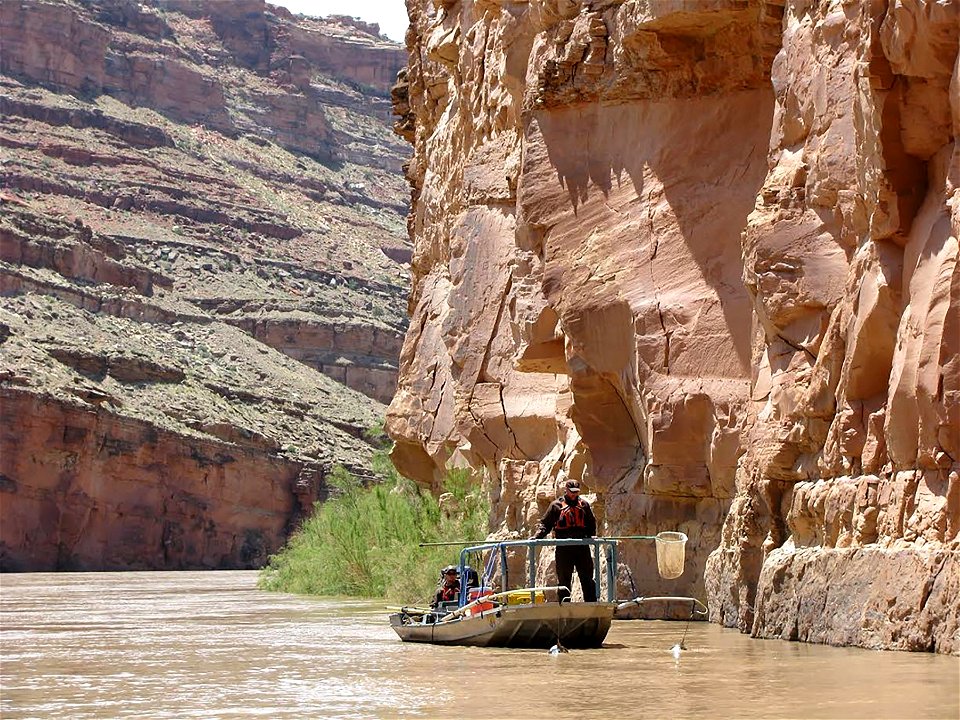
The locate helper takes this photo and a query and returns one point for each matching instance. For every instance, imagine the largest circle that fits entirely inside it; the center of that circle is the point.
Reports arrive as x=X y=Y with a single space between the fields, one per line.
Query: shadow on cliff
x=705 y=157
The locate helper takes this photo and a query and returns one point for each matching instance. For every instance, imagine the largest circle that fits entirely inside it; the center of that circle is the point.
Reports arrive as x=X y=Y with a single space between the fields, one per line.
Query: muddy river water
x=210 y=645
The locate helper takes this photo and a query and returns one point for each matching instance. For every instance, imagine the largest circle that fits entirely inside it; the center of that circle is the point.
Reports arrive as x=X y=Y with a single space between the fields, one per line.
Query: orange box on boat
x=477 y=593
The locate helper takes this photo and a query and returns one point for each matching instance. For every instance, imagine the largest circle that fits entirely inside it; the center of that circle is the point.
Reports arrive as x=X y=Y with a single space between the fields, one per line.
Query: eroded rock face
x=851 y=479
x=119 y=488
x=703 y=258
x=170 y=56
x=202 y=277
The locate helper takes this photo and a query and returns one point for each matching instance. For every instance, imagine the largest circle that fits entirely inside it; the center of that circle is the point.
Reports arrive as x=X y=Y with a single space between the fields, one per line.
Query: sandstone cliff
x=202 y=275
x=704 y=257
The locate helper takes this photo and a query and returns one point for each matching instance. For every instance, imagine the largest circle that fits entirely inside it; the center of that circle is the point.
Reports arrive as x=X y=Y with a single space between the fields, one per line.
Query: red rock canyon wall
x=704 y=257
x=202 y=276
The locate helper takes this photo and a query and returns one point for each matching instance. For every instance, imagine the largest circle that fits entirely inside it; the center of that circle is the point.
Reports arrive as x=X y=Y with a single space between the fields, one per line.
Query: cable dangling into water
x=633 y=585
x=682 y=644
x=559 y=648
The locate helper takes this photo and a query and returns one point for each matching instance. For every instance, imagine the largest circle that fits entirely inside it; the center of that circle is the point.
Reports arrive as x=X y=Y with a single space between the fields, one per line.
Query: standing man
x=571 y=517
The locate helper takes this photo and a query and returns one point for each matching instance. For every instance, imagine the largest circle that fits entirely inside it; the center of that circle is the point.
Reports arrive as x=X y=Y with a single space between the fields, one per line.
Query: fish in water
x=557 y=649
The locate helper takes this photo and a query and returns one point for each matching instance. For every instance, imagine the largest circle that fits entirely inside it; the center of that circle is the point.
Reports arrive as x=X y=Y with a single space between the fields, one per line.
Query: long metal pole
x=493 y=542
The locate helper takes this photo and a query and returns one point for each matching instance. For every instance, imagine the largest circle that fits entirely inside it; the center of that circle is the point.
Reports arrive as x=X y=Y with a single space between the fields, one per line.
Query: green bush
x=363 y=542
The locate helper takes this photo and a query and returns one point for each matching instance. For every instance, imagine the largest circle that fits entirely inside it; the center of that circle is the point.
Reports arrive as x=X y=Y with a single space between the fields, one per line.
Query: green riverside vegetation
x=363 y=542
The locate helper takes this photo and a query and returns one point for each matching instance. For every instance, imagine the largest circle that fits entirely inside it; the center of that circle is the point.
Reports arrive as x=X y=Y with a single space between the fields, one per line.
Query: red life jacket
x=448 y=593
x=572 y=517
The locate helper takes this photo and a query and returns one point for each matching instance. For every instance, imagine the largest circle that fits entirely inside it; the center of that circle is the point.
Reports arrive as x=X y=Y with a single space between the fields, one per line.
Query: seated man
x=448 y=590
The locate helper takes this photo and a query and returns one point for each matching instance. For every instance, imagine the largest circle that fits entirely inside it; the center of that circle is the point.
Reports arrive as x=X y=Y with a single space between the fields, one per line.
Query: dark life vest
x=572 y=517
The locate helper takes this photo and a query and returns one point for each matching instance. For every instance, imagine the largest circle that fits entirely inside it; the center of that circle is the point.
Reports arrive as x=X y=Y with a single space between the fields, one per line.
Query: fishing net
x=670 y=551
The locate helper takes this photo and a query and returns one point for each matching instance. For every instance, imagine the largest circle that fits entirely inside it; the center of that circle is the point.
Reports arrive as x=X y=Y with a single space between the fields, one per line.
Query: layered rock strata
x=701 y=256
x=202 y=276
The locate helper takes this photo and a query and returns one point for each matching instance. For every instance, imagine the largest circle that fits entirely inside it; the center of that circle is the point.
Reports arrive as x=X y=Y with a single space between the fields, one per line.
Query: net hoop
x=671 y=547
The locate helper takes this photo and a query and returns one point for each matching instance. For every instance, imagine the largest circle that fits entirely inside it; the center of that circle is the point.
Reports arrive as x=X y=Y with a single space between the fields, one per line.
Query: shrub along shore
x=363 y=541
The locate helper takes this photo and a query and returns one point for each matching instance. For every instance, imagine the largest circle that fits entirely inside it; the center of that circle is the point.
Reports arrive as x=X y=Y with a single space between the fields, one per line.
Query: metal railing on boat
x=609 y=546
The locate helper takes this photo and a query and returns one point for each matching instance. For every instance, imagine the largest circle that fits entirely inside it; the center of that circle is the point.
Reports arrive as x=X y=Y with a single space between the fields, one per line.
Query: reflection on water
x=178 y=645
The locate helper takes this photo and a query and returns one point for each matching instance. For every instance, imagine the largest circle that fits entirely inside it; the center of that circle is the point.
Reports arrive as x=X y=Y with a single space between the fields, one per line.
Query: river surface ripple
x=210 y=645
